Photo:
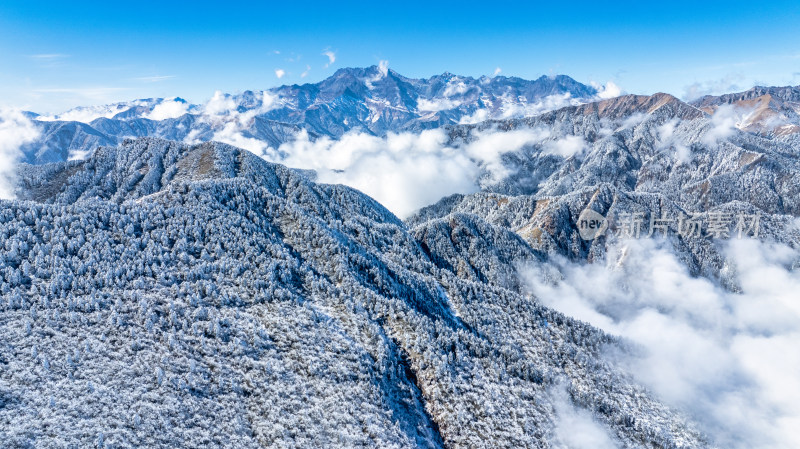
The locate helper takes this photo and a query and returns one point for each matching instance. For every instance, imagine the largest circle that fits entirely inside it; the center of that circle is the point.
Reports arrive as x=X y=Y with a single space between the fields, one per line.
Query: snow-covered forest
x=162 y=293
x=176 y=295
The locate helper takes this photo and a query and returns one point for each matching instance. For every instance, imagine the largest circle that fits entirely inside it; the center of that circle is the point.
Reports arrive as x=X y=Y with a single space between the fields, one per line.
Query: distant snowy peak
x=150 y=108
x=760 y=110
x=373 y=100
x=445 y=92
x=500 y=96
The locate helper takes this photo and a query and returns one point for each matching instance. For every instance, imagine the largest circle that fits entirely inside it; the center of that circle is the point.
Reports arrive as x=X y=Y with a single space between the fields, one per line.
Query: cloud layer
x=723 y=124
x=15 y=131
x=729 y=359
x=406 y=171
x=575 y=427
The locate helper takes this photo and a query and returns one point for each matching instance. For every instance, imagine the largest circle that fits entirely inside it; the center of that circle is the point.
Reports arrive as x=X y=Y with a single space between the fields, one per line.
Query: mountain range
x=196 y=295
x=163 y=287
x=374 y=100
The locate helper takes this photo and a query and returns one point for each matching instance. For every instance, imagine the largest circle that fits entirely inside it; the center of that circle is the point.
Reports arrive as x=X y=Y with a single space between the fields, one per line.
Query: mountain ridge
x=765 y=110
x=225 y=300
x=352 y=99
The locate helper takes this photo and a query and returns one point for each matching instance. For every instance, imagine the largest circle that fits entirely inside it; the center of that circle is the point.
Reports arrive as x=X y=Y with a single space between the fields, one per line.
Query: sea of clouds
x=406 y=171
x=729 y=359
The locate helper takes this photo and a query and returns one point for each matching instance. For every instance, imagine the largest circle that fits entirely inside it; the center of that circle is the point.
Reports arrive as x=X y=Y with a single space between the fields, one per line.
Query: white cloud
x=437 y=104
x=219 y=104
x=610 y=90
x=728 y=359
x=86 y=114
x=331 y=57
x=666 y=132
x=497 y=71
x=667 y=139
x=232 y=134
x=383 y=67
x=279 y=73
x=566 y=147
x=49 y=60
x=489 y=146
x=455 y=87
x=405 y=171
x=193 y=137
x=15 y=131
x=729 y=83
x=383 y=71
x=480 y=115
x=402 y=171
x=576 y=427
x=518 y=107
x=78 y=155
x=305 y=72
x=723 y=124
x=172 y=108
x=632 y=121
x=231 y=126
x=48 y=56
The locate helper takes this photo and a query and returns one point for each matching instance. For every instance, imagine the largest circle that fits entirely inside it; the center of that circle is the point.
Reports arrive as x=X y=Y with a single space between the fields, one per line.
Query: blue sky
x=54 y=55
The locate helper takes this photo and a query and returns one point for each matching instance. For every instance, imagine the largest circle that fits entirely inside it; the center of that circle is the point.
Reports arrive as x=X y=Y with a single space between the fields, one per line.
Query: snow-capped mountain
x=763 y=110
x=375 y=100
x=147 y=108
x=160 y=294
x=653 y=155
